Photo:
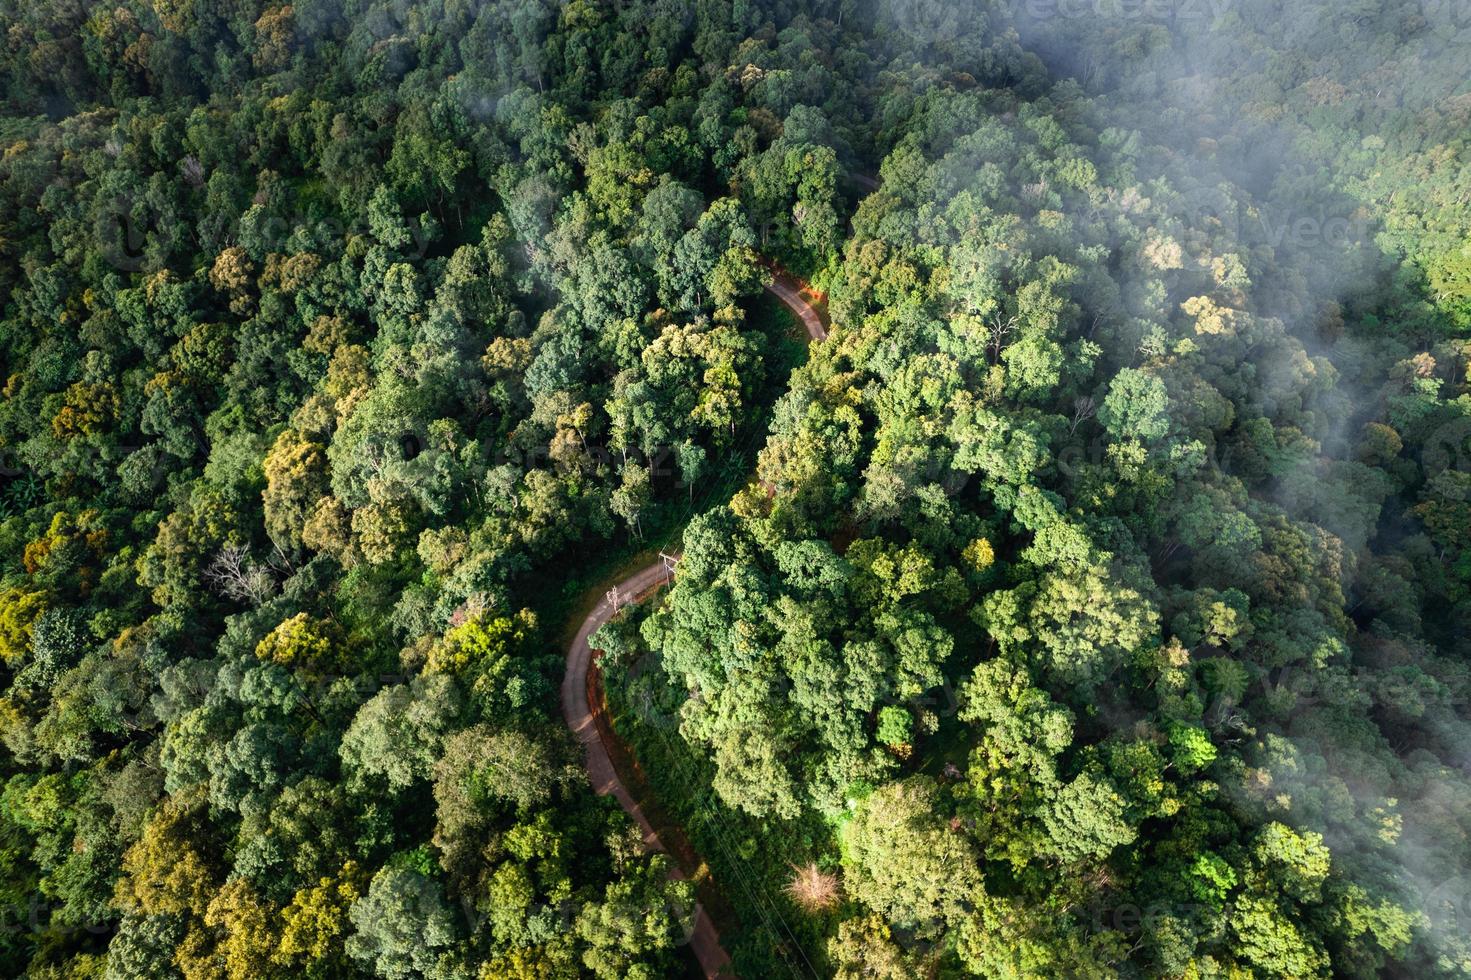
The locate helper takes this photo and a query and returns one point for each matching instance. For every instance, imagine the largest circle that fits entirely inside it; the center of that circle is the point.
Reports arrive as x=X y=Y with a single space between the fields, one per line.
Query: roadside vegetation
x=1088 y=604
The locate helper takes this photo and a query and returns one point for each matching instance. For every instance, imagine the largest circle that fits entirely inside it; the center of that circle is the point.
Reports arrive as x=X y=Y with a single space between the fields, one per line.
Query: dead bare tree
x=1083 y=410
x=236 y=575
x=813 y=889
x=999 y=328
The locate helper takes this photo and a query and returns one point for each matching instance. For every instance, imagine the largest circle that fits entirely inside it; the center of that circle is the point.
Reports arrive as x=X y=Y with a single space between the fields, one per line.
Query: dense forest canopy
x=1089 y=603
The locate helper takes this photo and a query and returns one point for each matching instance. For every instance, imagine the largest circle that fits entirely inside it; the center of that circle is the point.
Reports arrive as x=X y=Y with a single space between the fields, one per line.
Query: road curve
x=793 y=294
x=577 y=709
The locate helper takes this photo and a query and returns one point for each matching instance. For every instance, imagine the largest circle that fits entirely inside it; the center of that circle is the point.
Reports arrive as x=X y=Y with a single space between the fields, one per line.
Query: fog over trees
x=1088 y=603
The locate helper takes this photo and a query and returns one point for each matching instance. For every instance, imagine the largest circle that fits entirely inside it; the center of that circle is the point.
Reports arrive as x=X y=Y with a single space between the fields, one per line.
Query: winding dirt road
x=578 y=713
x=798 y=297
x=577 y=708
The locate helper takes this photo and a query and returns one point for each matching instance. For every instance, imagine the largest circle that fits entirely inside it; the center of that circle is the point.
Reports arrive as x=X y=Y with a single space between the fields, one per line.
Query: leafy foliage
x=1093 y=608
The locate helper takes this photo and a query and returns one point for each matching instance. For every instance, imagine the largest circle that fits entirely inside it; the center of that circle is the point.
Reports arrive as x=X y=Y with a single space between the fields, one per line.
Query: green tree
x=296 y=478
x=402 y=927
x=633 y=930
x=901 y=858
x=1136 y=407
x=397 y=734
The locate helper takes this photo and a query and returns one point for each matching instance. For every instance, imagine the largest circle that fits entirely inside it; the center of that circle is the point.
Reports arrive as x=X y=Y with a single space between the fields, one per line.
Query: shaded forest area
x=1089 y=603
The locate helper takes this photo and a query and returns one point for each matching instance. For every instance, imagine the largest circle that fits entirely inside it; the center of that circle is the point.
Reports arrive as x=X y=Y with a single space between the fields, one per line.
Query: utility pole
x=669 y=562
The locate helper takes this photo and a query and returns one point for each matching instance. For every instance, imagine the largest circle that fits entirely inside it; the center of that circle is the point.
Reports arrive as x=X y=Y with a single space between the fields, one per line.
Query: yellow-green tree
x=296 y=478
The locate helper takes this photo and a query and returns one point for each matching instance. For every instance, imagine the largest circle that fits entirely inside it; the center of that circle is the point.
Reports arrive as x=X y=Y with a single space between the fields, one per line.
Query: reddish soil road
x=704 y=941
x=801 y=300
x=578 y=712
